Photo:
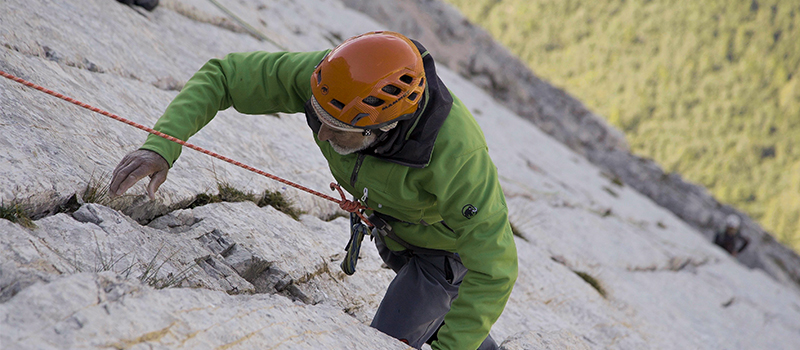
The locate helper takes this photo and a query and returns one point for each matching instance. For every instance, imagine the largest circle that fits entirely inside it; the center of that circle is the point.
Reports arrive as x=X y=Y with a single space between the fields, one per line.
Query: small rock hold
x=559 y=259
x=168 y=83
x=91 y=66
x=51 y=54
x=729 y=302
x=86 y=214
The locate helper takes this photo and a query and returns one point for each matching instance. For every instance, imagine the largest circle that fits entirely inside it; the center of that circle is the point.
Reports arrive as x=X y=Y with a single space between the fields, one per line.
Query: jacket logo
x=469 y=211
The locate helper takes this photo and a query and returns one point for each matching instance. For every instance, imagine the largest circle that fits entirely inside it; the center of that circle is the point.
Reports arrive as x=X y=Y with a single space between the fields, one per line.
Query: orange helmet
x=369 y=81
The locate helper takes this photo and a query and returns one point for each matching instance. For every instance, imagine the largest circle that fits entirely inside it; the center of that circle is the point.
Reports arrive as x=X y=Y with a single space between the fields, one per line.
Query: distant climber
x=729 y=237
x=394 y=136
x=148 y=5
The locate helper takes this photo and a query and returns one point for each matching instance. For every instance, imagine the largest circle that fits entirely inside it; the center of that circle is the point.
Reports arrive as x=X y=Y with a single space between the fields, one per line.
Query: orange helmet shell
x=370 y=80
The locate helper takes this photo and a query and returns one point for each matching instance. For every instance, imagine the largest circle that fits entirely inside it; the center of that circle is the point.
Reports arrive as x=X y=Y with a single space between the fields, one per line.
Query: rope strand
x=345 y=204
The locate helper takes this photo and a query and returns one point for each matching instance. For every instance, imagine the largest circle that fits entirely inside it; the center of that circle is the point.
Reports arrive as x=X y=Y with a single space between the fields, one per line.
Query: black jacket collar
x=411 y=142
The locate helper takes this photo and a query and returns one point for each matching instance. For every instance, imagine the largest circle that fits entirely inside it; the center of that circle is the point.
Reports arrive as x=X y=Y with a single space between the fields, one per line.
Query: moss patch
x=277 y=201
x=227 y=193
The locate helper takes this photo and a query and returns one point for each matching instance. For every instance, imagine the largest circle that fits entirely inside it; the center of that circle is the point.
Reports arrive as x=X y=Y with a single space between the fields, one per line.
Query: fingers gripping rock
x=135 y=166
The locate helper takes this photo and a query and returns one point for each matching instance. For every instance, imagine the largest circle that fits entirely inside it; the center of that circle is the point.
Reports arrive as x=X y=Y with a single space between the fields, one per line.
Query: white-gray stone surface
x=601 y=266
x=99 y=311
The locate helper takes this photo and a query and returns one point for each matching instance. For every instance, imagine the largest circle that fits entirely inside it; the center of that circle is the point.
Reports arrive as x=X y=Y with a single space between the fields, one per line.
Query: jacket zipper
x=356 y=168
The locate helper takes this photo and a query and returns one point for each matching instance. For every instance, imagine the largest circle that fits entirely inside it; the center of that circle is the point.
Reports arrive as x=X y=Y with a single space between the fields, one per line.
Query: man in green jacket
x=395 y=137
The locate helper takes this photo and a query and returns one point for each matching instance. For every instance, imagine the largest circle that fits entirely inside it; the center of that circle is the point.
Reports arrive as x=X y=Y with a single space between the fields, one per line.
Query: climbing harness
x=382 y=229
x=353 y=207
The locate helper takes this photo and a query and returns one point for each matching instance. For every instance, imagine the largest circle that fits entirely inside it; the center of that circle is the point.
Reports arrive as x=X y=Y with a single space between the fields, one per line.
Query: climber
x=729 y=237
x=148 y=5
x=398 y=139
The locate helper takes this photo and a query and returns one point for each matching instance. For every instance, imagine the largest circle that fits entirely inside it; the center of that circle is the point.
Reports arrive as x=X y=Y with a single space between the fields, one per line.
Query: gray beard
x=368 y=141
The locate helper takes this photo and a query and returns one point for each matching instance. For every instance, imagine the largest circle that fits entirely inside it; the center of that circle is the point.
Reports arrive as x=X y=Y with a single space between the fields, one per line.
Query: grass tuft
x=227 y=193
x=202 y=199
x=150 y=275
x=96 y=190
x=16 y=213
x=279 y=202
x=592 y=282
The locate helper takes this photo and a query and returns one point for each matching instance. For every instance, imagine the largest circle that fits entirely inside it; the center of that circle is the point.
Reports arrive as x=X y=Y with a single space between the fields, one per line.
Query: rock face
x=85 y=310
x=100 y=276
x=472 y=53
x=601 y=265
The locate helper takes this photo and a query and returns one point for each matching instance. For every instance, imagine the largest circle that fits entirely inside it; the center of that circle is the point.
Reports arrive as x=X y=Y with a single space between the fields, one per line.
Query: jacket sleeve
x=472 y=203
x=252 y=83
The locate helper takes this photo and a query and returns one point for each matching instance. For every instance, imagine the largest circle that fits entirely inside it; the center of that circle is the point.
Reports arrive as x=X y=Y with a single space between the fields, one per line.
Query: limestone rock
x=86 y=310
x=601 y=265
x=545 y=341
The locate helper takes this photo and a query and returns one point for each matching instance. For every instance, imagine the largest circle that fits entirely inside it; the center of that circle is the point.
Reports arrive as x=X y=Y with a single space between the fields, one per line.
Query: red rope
x=345 y=204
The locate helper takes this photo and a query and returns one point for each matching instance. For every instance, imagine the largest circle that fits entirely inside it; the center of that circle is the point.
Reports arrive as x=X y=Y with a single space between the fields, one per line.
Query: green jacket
x=455 y=181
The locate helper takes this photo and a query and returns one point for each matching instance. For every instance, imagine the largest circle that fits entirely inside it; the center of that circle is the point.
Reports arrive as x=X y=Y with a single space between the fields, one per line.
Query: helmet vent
x=373 y=101
x=421 y=81
x=391 y=90
x=413 y=96
x=407 y=79
x=358 y=117
x=319 y=76
x=338 y=104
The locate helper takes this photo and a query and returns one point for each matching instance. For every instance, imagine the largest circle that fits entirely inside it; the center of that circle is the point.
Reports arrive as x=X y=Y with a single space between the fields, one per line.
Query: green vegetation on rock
x=707 y=89
x=16 y=213
x=227 y=193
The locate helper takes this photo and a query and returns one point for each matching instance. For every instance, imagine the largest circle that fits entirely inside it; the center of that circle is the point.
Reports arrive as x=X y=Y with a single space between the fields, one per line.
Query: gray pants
x=416 y=301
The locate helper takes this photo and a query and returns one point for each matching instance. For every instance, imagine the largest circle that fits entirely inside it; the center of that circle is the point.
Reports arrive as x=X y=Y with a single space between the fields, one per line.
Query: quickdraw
x=357 y=232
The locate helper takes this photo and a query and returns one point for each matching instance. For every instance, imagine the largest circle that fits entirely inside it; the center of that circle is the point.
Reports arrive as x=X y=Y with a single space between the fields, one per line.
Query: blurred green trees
x=708 y=89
